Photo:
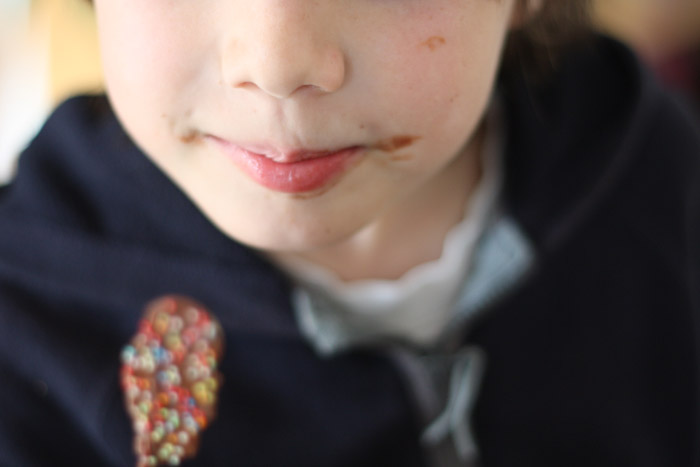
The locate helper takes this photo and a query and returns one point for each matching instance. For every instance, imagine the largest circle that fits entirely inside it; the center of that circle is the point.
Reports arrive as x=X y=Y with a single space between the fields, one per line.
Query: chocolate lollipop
x=170 y=379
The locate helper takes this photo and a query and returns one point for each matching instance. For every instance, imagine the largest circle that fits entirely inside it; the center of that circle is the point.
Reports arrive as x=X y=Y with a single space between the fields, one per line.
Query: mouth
x=291 y=171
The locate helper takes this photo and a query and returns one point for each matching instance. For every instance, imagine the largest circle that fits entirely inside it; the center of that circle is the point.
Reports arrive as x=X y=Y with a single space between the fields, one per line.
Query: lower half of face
x=294 y=124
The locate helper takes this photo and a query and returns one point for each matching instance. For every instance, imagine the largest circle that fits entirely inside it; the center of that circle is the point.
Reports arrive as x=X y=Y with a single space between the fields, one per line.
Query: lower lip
x=293 y=177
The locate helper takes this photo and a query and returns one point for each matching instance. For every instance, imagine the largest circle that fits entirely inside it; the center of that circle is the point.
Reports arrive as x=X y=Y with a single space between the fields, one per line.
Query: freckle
x=434 y=42
x=401 y=157
x=362 y=127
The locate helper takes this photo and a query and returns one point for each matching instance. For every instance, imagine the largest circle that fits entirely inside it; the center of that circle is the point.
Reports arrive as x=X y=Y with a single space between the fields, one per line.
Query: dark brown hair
x=535 y=47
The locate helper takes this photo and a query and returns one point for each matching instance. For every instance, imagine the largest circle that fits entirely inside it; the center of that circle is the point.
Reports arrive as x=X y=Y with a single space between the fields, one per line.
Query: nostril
x=281 y=72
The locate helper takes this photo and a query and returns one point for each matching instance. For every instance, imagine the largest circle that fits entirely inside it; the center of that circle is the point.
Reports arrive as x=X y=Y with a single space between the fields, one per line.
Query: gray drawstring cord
x=465 y=379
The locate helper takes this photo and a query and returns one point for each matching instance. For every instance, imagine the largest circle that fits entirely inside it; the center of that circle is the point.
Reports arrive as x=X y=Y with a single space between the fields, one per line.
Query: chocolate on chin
x=170 y=379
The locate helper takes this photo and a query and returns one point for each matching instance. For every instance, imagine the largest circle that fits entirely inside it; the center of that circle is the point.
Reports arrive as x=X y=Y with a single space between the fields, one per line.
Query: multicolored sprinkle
x=170 y=379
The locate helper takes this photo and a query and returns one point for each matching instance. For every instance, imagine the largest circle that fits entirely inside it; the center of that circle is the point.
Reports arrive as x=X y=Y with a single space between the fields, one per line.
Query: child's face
x=403 y=83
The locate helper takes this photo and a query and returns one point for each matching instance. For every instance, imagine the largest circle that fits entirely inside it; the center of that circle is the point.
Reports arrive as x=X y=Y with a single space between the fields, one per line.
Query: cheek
x=441 y=96
x=147 y=54
x=150 y=68
x=441 y=71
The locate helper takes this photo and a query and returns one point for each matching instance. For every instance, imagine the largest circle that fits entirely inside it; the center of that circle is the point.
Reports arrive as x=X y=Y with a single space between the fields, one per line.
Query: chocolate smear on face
x=190 y=137
x=396 y=143
x=434 y=42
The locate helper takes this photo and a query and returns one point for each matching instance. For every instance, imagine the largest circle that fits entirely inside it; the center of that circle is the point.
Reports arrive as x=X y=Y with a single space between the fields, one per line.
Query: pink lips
x=296 y=171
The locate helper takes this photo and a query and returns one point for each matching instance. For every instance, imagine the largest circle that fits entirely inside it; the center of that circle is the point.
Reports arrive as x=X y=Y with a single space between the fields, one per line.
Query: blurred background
x=48 y=51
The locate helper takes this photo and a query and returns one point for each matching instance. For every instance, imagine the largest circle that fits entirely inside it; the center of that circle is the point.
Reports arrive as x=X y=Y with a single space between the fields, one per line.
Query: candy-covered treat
x=170 y=379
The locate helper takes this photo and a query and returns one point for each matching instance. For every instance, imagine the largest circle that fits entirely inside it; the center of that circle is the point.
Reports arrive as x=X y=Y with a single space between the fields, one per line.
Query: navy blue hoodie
x=593 y=358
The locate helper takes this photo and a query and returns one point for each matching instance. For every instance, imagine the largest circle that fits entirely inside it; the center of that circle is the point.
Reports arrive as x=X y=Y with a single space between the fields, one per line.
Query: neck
x=412 y=232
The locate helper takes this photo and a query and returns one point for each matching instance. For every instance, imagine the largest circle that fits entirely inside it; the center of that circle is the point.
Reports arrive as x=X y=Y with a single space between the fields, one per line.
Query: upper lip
x=283 y=155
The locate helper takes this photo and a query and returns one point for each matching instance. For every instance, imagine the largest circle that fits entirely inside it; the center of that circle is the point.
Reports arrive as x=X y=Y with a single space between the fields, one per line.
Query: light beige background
x=48 y=51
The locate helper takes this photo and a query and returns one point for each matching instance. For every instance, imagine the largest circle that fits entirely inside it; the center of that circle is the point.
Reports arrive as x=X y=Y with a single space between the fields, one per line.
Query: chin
x=288 y=238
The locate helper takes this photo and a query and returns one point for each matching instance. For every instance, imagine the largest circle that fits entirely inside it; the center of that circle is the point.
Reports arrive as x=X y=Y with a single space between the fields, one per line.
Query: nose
x=284 y=46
